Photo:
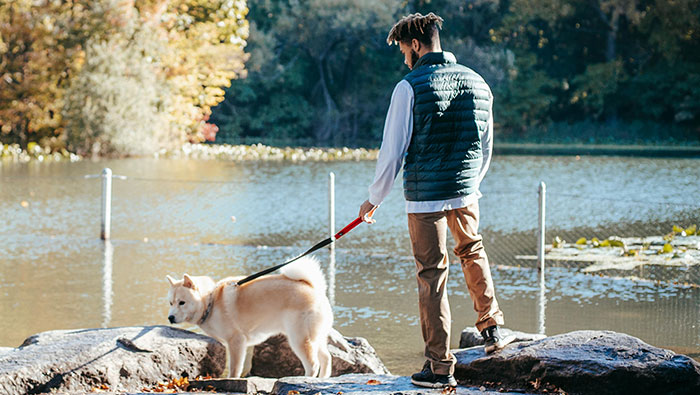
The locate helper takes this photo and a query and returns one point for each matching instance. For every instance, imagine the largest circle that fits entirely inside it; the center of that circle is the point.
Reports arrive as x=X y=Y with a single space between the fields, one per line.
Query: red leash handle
x=352 y=225
x=348 y=228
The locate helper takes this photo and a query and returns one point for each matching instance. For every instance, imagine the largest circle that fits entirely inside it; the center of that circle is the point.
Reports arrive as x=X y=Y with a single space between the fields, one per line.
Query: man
x=440 y=126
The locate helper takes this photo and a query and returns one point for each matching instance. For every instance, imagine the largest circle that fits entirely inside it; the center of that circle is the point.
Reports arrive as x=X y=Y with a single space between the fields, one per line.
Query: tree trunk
x=613 y=26
x=328 y=121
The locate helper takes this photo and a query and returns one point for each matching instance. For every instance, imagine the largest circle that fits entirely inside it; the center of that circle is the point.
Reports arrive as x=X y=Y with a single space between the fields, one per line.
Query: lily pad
x=616 y=242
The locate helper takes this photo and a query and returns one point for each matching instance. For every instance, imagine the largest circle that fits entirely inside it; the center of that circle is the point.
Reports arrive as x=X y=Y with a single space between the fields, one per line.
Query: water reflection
x=331 y=275
x=541 y=305
x=107 y=284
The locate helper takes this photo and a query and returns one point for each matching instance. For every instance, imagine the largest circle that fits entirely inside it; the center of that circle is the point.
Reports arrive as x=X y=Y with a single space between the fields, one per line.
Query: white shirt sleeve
x=398 y=128
x=486 y=145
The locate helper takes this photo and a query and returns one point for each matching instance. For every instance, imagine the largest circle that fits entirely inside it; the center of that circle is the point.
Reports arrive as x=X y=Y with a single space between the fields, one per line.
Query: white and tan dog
x=293 y=303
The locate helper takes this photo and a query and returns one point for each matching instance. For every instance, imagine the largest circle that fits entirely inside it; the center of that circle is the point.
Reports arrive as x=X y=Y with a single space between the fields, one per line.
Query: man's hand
x=367 y=211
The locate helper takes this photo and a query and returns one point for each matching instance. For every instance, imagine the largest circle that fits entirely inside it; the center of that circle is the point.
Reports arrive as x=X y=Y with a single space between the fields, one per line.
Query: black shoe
x=494 y=340
x=426 y=378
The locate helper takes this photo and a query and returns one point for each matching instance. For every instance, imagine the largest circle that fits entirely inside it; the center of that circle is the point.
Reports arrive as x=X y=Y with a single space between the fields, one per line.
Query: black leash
x=320 y=245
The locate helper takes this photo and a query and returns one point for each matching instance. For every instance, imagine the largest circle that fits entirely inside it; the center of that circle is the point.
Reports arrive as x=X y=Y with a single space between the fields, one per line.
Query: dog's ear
x=188 y=283
x=171 y=280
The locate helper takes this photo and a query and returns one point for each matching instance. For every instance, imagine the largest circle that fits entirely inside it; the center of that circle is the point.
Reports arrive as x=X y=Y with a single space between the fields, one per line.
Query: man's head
x=416 y=35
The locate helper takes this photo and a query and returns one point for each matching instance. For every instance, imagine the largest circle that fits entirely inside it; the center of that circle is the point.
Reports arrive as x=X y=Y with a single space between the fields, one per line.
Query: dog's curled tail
x=306 y=269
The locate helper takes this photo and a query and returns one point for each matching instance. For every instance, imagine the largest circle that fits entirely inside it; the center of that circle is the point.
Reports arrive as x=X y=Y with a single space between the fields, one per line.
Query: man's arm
x=487 y=144
x=398 y=128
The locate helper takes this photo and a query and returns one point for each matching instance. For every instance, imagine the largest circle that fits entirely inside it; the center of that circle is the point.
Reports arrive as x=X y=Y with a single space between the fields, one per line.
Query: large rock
x=123 y=359
x=591 y=362
x=248 y=385
x=364 y=384
x=471 y=337
x=274 y=357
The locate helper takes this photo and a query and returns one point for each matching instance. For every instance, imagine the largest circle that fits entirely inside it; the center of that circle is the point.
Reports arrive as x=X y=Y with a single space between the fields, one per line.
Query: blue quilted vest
x=452 y=104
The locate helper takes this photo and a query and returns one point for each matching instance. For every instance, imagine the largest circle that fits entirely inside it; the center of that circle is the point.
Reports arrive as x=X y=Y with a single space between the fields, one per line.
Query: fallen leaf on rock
x=171 y=387
x=449 y=390
x=293 y=392
x=373 y=382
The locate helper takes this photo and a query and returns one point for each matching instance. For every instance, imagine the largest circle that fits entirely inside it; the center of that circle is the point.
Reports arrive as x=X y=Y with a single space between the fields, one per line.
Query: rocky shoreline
x=254 y=152
x=135 y=360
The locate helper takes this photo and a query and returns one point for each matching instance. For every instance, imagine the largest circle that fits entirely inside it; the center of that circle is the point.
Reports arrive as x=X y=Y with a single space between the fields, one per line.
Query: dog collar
x=206 y=312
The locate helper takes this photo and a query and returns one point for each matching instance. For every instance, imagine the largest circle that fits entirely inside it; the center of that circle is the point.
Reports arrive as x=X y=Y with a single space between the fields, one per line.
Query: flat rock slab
x=590 y=362
x=356 y=384
x=248 y=385
x=471 y=337
x=122 y=359
x=274 y=357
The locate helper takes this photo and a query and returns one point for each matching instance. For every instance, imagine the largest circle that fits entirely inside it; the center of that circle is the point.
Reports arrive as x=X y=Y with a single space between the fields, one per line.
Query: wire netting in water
x=598 y=236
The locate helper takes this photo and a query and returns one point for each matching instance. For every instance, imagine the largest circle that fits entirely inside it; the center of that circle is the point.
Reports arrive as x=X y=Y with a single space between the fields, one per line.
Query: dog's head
x=185 y=298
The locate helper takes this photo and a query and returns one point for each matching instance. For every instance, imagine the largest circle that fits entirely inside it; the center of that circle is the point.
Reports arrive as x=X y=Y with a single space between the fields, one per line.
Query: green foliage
x=526 y=98
x=597 y=87
x=318 y=70
x=619 y=62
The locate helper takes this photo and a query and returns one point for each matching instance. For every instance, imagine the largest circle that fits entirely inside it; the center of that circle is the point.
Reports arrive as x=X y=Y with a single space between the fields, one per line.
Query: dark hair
x=424 y=28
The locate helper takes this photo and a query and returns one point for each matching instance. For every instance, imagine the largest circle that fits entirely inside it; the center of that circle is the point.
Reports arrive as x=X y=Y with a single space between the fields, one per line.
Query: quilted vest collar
x=433 y=58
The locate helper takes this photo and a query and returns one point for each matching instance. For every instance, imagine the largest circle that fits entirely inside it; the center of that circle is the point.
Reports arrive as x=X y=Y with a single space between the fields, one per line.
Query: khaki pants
x=428 y=233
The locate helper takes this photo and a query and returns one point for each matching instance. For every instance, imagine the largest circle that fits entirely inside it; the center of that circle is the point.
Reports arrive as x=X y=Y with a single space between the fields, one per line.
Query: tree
x=205 y=52
x=329 y=57
x=40 y=50
x=43 y=47
x=320 y=71
x=117 y=103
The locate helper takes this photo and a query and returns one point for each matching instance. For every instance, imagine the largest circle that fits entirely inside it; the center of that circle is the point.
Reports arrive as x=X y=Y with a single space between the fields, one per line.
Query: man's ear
x=415 y=45
x=171 y=280
x=188 y=283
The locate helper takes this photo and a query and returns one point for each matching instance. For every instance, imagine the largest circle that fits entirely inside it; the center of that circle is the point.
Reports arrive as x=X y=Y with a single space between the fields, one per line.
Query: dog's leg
x=236 y=351
x=324 y=358
x=305 y=350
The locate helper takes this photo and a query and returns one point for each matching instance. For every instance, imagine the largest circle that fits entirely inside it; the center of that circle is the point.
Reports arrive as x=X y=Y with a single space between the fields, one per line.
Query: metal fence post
x=331 y=226
x=106 y=203
x=542 y=191
x=542 y=300
x=106 y=177
x=331 y=207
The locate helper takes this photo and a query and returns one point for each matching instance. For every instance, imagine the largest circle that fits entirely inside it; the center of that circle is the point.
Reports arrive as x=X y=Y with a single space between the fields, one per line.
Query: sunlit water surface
x=221 y=218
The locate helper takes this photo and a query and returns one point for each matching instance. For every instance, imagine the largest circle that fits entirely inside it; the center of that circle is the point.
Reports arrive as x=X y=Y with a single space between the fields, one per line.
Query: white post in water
x=541 y=307
x=331 y=227
x=541 y=236
x=107 y=284
x=106 y=203
x=331 y=207
x=542 y=300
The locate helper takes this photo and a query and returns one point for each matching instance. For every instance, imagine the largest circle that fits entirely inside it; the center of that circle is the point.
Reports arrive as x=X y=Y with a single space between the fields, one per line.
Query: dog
x=292 y=303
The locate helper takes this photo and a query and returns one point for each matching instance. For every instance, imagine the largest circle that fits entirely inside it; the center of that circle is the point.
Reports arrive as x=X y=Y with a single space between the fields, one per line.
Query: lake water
x=222 y=218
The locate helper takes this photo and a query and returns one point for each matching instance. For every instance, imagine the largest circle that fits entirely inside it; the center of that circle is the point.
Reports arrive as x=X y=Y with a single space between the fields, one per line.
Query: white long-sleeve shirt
x=398 y=128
